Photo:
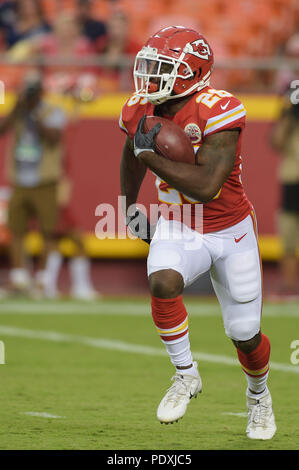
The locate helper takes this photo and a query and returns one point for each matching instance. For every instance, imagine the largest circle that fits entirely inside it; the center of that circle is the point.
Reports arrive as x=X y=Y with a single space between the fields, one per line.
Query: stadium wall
x=94 y=142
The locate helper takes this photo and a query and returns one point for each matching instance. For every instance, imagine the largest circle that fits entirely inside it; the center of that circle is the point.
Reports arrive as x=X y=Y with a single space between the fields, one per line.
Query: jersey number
x=212 y=97
x=170 y=195
x=136 y=99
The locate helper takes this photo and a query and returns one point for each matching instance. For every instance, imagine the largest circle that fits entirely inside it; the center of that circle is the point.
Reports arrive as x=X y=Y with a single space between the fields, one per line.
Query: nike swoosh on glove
x=145 y=142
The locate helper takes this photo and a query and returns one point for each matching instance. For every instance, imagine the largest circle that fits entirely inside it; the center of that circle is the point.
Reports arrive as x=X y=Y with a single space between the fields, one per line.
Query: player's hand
x=145 y=142
x=140 y=227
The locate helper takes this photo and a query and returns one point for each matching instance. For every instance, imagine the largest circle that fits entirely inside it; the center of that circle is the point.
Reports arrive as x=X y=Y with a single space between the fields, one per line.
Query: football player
x=172 y=80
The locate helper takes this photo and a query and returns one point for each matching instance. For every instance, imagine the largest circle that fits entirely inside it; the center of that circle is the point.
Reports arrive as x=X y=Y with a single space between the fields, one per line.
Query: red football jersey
x=207 y=112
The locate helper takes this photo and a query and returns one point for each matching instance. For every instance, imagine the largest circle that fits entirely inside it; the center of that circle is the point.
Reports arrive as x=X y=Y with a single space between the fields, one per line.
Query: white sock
x=257 y=384
x=257 y=396
x=179 y=352
x=80 y=274
x=53 y=266
x=190 y=371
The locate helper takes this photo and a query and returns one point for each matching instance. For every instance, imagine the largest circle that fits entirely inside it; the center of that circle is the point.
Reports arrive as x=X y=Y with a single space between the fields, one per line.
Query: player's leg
x=54 y=259
x=237 y=280
x=170 y=315
x=80 y=271
x=18 y=216
x=44 y=201
x=172 y=264
x=53 y=266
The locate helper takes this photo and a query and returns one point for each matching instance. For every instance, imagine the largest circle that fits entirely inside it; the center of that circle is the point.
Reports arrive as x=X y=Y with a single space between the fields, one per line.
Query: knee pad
x=162 y=256
x=242 y=330
x=244 y=275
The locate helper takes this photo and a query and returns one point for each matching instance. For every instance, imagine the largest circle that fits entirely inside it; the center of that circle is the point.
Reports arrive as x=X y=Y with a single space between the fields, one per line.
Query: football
x=171 y=141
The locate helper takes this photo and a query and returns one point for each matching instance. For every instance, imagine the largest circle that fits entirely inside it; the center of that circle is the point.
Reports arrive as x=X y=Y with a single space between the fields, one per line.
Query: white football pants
x=232 y=258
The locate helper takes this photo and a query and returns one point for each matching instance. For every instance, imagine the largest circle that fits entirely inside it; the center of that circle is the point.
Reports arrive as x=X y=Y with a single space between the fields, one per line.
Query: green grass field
x=91 y=375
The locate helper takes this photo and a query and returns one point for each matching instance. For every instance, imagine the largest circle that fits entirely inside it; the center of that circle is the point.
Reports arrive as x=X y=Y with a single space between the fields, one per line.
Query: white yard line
x=115 y=345
x=239 y=415
x=42 y=415
x=61 y=308
x=134 y=308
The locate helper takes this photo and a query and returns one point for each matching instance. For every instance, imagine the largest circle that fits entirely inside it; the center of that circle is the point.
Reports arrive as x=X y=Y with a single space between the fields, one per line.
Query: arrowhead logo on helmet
x=200 y=48
x=178 y=61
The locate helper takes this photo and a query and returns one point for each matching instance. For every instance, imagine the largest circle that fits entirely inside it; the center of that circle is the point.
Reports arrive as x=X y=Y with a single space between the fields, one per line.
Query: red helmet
x=175 y=62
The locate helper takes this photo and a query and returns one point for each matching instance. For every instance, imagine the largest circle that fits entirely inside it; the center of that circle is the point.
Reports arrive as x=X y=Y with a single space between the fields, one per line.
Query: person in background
x=65 y=43
x=93 y=29
x=21 y=20
x=79 y=265
x=285 y=139
x=119 y=40
x=115 y=47
x=34 y=169
x=285 y=75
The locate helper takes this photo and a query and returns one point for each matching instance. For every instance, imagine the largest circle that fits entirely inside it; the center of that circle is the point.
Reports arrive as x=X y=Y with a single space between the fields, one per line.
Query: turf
x=104 y=395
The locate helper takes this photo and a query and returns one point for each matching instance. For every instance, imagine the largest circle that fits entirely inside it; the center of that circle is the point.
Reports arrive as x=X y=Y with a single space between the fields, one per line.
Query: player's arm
x=132 y=172
x=215 y=162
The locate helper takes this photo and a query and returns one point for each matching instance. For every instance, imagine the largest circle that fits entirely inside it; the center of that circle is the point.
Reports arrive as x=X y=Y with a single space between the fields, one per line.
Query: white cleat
x=174 y=404
x=261 y=421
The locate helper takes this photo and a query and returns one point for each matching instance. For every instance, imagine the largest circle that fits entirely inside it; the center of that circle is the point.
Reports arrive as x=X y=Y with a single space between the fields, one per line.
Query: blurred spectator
x=118 y=44
x=285 y=139
x=34 y=166
x=285 y=74
x=21 y=20
x=63 y=44
x=119 y=40
x=66 y=39
x=91 y=28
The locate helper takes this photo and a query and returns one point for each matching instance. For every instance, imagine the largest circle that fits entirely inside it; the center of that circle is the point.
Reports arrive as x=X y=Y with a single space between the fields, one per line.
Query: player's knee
x=166 y=284
x=242 y=330
x=250 y=345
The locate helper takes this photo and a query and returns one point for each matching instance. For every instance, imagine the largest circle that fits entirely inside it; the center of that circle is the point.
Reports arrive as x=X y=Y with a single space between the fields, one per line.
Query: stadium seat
x=267 y=25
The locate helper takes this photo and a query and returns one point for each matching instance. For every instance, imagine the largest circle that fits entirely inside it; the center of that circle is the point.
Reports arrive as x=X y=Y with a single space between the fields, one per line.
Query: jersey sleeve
x=131 y=113
x=227 y=113
x=121 y=123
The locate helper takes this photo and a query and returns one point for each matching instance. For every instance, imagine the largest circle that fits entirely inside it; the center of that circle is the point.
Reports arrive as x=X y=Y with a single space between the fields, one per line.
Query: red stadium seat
x=268 y=24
